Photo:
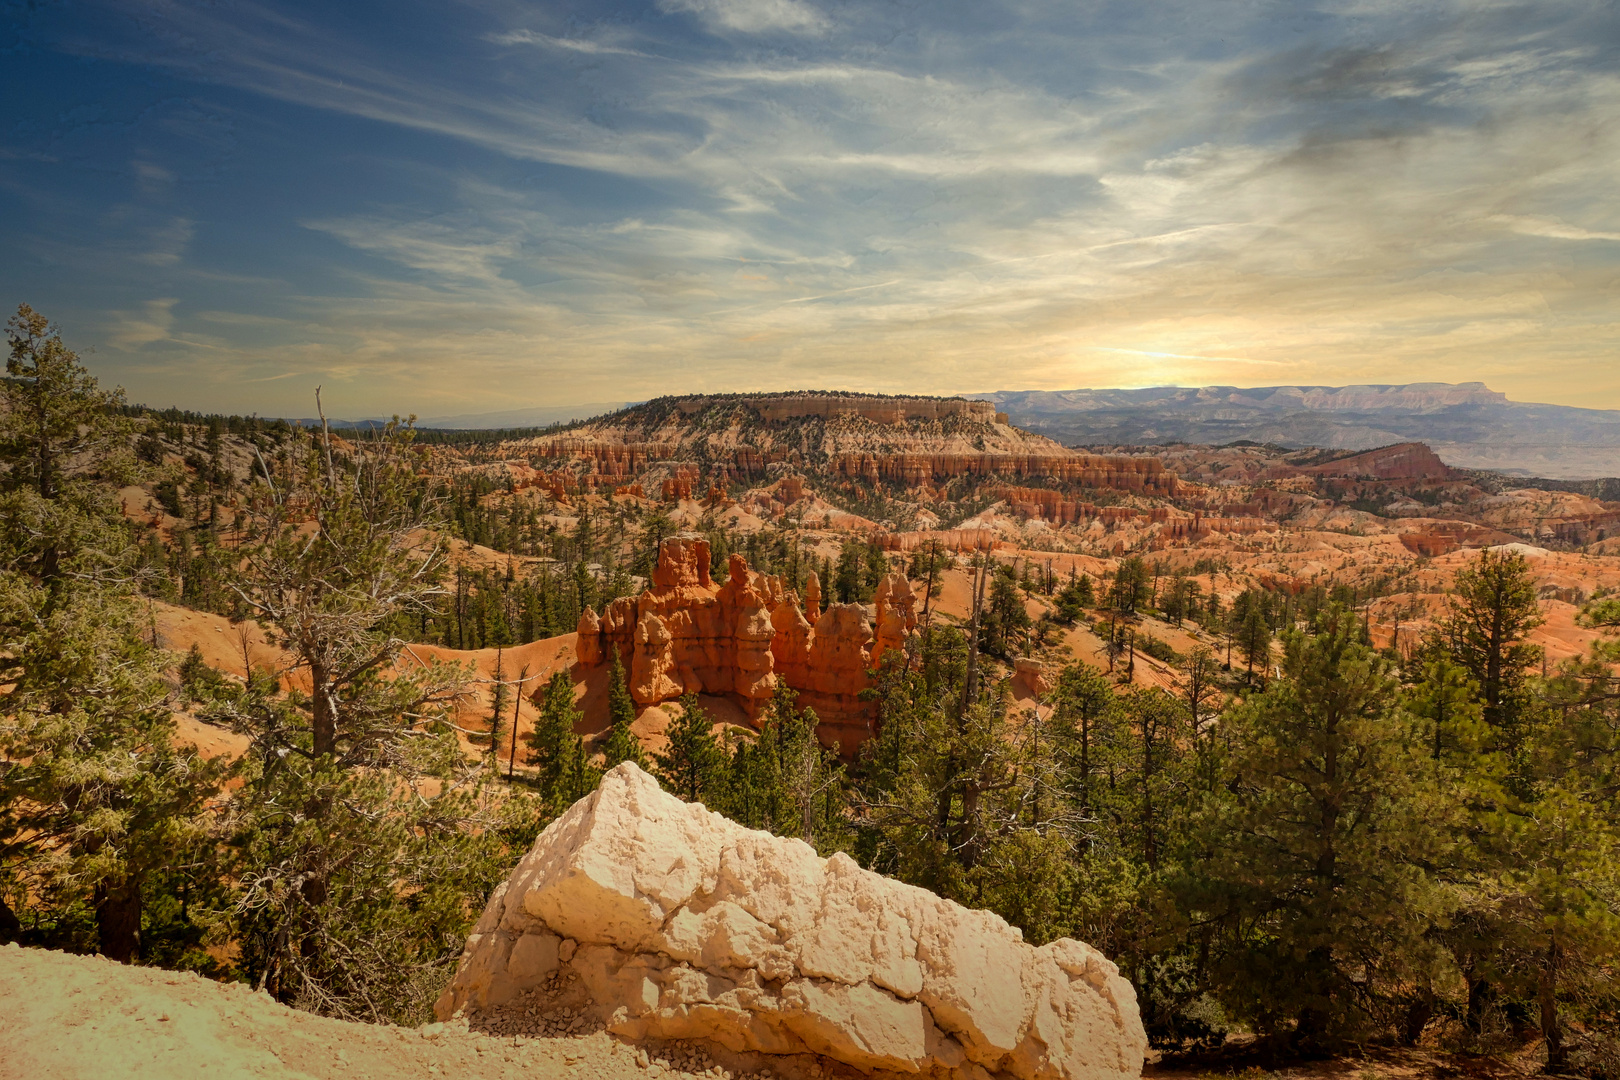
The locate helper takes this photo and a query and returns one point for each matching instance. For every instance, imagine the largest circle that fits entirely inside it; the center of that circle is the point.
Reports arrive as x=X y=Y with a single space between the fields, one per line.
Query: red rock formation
x=947 y=539
x=1585 y=528
x=1403 y=461
x=1442 y=537
x=1141 y=474
x=588 y=646
x=608 y=458
x=835 y=675
x=790 y=489
x=684 y=634
x=896 y=615
x=1032 y=673
x=652 y=668
x=679 y=486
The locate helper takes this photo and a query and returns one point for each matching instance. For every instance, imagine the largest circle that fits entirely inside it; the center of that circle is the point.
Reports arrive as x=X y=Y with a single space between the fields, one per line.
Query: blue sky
x=485 y=205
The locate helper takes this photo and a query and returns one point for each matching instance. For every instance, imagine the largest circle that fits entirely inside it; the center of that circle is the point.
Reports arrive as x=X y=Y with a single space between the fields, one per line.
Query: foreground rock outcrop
x=681 y=924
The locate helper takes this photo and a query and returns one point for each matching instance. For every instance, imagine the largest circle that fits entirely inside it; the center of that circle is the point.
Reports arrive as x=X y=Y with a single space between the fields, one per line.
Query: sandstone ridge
x=684 y=445
x=877 y=407
x=681 y=924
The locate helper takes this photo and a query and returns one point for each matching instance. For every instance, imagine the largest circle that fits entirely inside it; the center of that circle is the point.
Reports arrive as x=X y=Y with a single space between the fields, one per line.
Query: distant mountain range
x=1467 y=424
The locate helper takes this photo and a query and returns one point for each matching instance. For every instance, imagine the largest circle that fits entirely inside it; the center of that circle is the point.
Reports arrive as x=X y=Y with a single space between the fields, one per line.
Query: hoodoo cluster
x=687 y=634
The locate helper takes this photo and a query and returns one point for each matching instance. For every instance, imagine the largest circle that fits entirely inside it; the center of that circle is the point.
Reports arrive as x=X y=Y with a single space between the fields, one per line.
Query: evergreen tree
x=1130 y=586
x=96 y=800
x=62 y=439
x=1074 y=598
x=1324 y=840
x=694 y=765
x=558 y=752
x=786 y=782
x=361 y=829
x=1082 y=703
x=1249 y=627
x=1493 y=606
x=847 y=583
x=1005 y=619
x=1555 y=854
x=622 y=744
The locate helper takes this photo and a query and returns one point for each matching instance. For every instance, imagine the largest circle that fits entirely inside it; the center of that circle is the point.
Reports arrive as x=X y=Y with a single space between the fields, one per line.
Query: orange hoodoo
x=685 y=634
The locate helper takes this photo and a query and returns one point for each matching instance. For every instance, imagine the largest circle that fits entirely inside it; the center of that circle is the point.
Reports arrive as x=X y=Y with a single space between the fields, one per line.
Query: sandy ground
x=85 y=1018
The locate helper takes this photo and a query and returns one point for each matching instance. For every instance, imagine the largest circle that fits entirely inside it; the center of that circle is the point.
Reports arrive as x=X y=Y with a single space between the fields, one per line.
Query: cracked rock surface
x=679 y=924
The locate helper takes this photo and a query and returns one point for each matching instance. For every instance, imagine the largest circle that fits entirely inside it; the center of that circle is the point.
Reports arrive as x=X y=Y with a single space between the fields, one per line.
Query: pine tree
x=556 y=750
x=1493 y=606
x=1082 y=701
x=1249 y=626
x=1556 y=858
x=1323 y=842
x=1130 y=587
x=1073 y=599
x=785 y=782
x=622 y=744
x=99 y=799
x=693 y=766
x=96 y=800
x=362 y=828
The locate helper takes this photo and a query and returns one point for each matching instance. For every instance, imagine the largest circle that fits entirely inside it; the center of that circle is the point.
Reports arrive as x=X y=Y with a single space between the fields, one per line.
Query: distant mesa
x=910 y=441
x=1467 y=424
x=879 y=408
x=1403 y=461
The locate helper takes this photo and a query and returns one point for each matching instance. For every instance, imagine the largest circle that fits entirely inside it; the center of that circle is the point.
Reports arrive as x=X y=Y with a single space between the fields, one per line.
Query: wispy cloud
x=1552 y=229
x=752 y=16
x=153 y=323
x=577 y=45
x=1186 y=356
x=722 y=194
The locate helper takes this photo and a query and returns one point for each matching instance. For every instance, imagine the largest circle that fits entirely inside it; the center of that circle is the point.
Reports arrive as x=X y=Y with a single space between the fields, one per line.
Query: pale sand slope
x=85 y=1018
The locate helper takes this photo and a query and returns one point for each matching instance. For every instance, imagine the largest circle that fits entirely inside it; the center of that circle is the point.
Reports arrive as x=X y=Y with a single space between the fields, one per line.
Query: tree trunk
x=1480 y=994
x=1417 y=1017
x=118 y=919
x=970 y=686
x=314 y=895
x=1557 y=1055
x=10 y=926
x=323 y=719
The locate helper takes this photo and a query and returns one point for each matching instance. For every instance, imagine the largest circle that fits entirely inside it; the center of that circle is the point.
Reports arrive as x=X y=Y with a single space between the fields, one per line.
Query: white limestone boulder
x=682 y=924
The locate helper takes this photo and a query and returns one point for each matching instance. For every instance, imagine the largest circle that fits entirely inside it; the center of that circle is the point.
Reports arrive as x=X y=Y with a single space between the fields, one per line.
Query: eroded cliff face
x=1403 y=461
x=1119 y=473
x=907 y=441
x=686 y=634
x=669 y=921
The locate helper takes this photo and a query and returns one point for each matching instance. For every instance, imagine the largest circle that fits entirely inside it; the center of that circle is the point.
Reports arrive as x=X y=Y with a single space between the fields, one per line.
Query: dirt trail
x=85 y=1018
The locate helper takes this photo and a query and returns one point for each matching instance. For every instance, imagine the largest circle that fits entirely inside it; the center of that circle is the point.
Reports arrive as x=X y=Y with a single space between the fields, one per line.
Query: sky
x=484 y=205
